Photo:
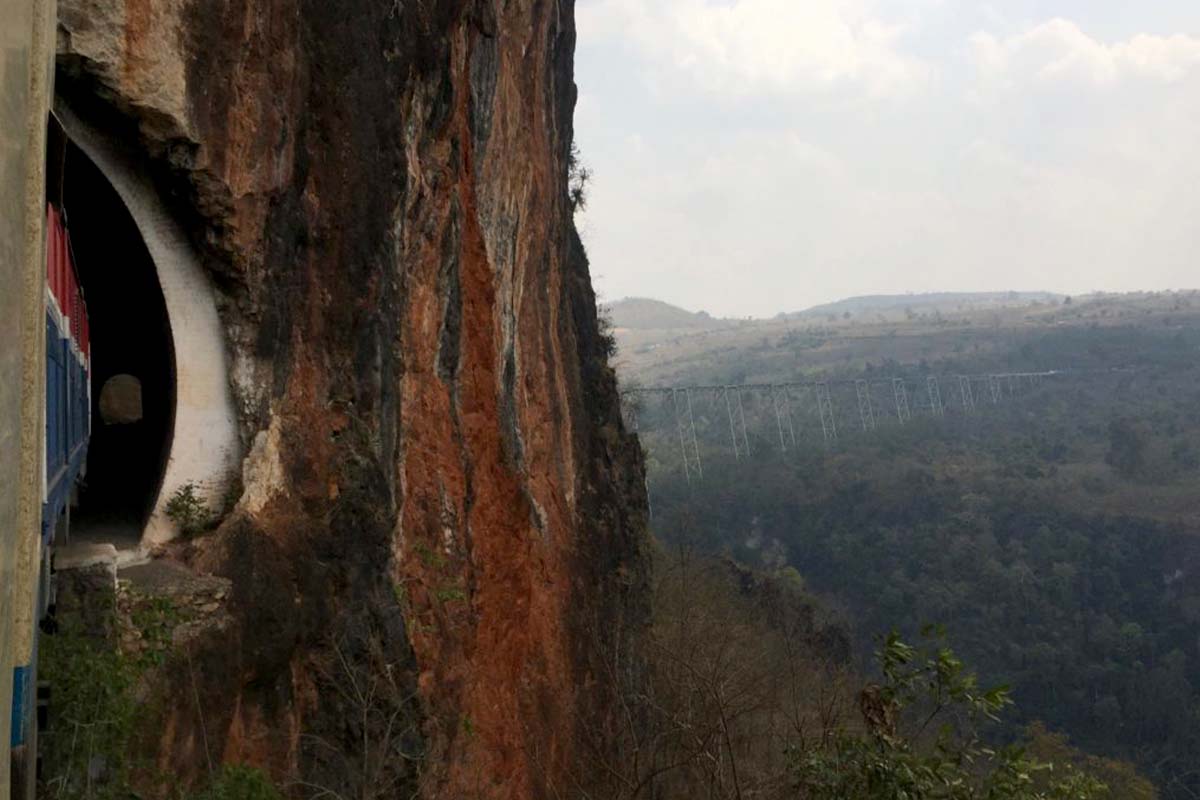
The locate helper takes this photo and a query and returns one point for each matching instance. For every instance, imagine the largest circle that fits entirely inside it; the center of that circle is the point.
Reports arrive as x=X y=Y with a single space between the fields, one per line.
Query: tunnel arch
x=201 y=447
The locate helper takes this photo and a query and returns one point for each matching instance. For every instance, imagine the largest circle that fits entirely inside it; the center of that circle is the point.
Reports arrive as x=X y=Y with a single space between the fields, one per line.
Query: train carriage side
x=64 y=456
x=68 y=376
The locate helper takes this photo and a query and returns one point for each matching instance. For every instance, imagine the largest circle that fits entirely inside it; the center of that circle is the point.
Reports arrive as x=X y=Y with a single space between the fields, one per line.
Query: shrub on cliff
x=578 y=177
x=608 y=336
x=240 y=782
x=189 y=511
x=94 y=716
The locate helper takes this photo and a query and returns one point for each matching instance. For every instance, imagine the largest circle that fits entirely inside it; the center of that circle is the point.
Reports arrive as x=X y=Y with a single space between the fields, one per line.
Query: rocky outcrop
x=442 y=518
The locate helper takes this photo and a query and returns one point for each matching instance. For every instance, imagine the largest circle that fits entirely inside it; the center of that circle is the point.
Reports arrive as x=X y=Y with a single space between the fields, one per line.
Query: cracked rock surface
x=440 y=501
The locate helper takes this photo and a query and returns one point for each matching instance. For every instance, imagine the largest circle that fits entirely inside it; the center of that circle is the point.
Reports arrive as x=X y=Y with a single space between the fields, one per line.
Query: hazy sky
x=757 y=156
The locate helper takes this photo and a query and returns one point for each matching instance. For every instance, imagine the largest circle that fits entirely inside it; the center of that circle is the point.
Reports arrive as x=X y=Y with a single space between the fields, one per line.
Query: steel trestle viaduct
x=898 y=401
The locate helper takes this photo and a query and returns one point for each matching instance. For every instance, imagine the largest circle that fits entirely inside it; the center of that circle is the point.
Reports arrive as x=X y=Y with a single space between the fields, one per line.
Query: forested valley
x=1050 y=530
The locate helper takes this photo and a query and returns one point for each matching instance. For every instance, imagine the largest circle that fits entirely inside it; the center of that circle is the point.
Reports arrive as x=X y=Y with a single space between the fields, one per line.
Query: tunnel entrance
x=133 y=359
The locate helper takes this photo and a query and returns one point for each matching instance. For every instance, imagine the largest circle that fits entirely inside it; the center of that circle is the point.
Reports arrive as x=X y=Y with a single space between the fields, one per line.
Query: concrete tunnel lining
x=204 y=449
x=130 y=342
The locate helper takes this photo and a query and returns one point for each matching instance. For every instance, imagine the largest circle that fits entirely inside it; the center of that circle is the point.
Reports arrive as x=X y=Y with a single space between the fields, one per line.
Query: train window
x=121 y=400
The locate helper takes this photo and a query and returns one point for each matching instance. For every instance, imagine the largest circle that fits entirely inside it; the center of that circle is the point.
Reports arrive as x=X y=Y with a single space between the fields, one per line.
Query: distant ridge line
x=925 y=300
x=649 y=313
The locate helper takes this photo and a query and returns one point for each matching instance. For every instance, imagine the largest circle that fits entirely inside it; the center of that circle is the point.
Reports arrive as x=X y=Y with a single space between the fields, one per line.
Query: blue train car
x=67 y=381
x=68 y=375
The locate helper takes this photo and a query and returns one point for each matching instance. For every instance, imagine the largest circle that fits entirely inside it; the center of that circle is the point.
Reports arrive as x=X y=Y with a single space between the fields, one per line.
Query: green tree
x=924 y=740
x=1122 y=780
x=240 y=782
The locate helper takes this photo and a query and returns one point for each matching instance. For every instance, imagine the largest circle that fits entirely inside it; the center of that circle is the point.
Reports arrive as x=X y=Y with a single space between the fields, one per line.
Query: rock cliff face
x=441 y=516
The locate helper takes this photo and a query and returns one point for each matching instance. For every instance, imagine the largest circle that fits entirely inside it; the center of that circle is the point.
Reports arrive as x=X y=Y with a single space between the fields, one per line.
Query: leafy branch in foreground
x=923 y=740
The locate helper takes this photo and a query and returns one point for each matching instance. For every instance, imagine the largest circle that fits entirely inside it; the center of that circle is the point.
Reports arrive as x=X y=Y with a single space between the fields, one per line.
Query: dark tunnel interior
x=131 y=342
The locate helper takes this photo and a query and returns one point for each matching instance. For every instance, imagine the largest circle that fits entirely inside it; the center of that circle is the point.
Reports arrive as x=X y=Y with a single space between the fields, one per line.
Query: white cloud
x=757 y=46
x=749 y=156
x=1059 y=51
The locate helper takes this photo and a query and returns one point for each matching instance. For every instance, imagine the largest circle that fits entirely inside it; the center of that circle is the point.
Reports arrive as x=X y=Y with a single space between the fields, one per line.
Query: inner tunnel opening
x=133 y=359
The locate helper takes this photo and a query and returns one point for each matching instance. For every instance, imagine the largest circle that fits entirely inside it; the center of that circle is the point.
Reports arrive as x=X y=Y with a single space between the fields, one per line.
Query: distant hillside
x=642 y=313
x=1066 y=505
x=939 y=301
